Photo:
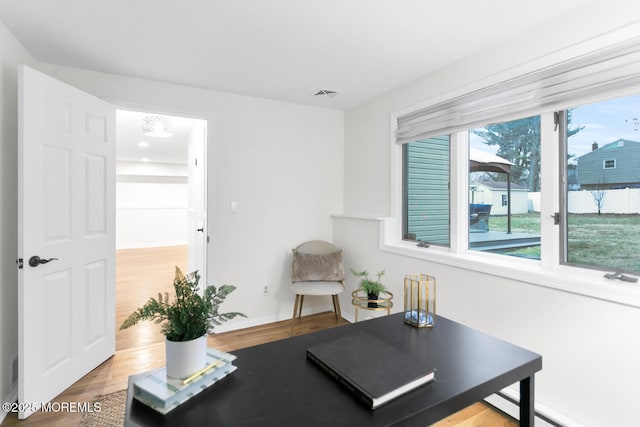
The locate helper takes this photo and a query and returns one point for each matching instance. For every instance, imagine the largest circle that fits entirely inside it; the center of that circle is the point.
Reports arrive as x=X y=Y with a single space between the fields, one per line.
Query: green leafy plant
x=369 y=285
x=190 y=315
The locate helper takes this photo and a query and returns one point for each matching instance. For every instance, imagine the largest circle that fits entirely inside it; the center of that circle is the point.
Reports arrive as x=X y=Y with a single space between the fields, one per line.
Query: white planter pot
x=185 y=358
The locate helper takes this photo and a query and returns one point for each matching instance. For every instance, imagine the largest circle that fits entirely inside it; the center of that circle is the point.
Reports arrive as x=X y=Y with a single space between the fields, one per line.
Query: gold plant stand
x=359 y=300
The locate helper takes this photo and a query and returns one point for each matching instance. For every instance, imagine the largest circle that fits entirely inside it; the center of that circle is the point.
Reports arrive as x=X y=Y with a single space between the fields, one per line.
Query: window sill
x=585 y=282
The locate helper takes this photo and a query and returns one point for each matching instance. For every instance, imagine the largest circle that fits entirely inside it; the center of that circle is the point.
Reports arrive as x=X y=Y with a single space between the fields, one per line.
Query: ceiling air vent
x=326 y=92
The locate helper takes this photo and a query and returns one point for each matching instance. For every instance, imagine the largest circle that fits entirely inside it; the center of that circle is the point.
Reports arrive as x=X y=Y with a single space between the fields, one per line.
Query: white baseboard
x=507 y=401
x=348 y=317
x=241 y=323
x=144 y=245
x=12 y=397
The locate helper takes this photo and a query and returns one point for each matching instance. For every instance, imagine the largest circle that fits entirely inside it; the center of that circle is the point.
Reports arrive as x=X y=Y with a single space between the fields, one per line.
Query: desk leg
x=527 y=411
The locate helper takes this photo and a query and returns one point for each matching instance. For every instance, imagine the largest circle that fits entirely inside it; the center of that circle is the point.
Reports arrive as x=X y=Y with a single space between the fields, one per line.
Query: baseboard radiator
x=508 y=402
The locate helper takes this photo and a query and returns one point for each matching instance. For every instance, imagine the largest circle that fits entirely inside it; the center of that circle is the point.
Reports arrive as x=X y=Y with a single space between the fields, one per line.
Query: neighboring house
x=615 y=165
x=428 y=204
x=487 y=191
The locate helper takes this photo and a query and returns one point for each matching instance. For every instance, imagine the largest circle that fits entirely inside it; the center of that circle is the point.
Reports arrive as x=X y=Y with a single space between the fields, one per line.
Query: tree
x=519 y=142
x=598 y=197
x=572 y=131
x=600 y=190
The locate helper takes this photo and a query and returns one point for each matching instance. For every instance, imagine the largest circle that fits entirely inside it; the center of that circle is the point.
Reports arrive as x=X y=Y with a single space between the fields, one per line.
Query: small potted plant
x=371 y=287
x=187 y=319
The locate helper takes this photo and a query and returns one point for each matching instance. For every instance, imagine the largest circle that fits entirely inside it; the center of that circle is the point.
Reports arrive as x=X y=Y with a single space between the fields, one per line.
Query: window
x=601 y=204
x=426 y=198
x=504 y=173
x=504 y=169
x=603 y=186
x=582 y=206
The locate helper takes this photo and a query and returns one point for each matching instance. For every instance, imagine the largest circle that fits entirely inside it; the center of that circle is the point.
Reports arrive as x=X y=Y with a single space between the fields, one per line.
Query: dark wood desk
x=275 y=385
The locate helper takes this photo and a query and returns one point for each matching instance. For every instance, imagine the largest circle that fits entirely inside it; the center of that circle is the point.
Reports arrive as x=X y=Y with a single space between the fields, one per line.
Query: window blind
x=611 y=71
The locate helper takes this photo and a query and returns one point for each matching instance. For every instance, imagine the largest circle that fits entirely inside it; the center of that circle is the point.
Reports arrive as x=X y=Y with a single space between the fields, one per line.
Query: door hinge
x=556 y=218
x=20 y=263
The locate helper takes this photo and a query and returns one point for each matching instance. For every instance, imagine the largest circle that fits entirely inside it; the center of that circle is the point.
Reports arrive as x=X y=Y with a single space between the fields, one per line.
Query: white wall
x=12 y=53
x=151 y=214
x=281 y=162
x=151 y=205
x=590 y=347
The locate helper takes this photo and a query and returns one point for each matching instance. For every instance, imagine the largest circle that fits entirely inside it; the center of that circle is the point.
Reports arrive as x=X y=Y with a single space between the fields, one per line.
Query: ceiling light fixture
x=156 y=126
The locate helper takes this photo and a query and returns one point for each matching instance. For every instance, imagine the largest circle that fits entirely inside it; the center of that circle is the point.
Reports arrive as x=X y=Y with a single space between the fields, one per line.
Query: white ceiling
x=276 y=49
x=171 y=149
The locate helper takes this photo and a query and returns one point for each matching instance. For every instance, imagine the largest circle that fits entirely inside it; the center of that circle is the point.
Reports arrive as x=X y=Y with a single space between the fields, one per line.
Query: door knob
x=200 y=229
x=35 y=261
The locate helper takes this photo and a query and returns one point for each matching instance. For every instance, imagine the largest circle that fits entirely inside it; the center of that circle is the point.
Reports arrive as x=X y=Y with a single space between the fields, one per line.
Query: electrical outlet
x=265 y=290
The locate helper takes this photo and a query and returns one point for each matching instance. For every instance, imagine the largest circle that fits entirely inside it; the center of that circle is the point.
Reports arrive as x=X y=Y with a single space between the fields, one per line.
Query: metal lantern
x=420 y=300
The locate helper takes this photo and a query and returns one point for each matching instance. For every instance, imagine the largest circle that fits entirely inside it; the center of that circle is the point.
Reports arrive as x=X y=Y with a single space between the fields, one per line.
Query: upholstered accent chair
x=316 y=269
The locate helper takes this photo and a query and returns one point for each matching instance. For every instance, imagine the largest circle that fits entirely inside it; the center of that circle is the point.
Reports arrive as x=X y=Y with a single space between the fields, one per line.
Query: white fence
x=625 y=201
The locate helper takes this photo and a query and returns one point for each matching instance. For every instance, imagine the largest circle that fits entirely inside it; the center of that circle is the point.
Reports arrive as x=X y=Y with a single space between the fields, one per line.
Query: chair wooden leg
x=295 y=306
x=295 y=309
x=336 y=308
x=300 y=308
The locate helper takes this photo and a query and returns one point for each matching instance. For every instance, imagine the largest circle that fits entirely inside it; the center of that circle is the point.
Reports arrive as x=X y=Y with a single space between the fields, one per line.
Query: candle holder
x=420 y=300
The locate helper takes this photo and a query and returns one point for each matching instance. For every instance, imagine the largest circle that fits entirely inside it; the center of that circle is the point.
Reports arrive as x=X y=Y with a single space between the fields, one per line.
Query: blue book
x=164 y=394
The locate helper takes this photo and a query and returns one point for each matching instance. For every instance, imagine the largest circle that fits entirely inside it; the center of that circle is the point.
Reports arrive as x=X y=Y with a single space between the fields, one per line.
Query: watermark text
x=51 y=407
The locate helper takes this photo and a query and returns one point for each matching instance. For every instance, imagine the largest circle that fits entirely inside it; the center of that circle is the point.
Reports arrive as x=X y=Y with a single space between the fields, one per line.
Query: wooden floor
x=140 y=274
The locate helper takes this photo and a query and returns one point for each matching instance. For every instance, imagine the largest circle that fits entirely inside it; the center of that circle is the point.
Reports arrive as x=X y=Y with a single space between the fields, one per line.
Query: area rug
x=111 y=414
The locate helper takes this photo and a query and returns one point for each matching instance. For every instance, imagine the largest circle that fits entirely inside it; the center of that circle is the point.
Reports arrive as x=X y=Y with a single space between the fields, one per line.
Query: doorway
x=160 y=211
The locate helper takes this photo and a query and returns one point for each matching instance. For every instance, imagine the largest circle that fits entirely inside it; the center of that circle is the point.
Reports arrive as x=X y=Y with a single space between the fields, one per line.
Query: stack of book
x=163 y=393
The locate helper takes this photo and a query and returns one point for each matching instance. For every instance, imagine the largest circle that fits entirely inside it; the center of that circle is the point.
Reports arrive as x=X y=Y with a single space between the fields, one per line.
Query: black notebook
x=372 y=369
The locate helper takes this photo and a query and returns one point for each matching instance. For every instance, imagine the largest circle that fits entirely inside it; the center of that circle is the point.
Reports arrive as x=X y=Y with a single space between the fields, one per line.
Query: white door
x=66 y=215
x=197 y=212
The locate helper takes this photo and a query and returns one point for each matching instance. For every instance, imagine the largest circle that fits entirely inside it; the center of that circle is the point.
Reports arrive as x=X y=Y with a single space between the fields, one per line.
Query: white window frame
x=546 y=272
x=604 y=164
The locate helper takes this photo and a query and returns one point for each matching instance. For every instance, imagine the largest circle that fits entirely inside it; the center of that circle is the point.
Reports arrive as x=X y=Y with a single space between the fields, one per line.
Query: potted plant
x=187 y=319
x=371 y=287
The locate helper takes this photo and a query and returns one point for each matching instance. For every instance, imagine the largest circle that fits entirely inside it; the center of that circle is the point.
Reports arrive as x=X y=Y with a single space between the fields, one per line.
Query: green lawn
x=596 y=240
x=610 y=240
x=525 y=223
